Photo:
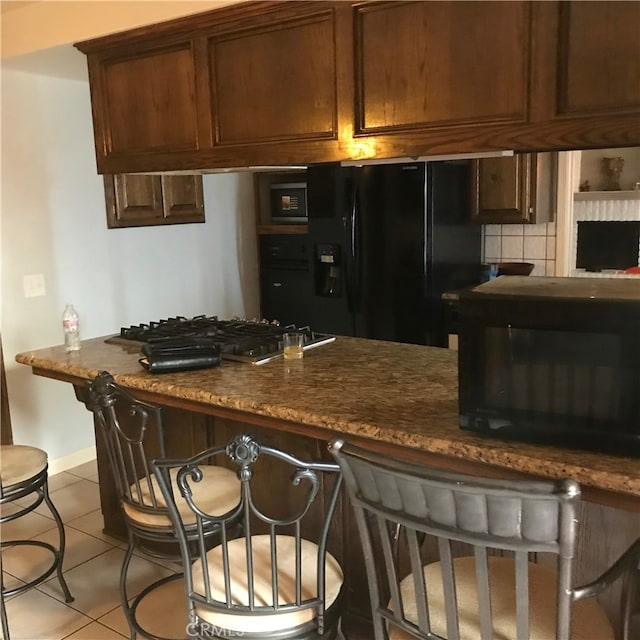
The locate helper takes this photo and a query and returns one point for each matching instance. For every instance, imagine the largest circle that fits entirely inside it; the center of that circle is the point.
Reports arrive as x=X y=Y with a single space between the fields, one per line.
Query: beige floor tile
x=163 y=612
x=76 y=499
x=25 y=527
x=56 y=482
x=95 y=583
x=93 y=524
x=61 y=480
x=43 y=509
x=9 y=581
x=70 y=500
x=27 y=562
x=36 y=616
x=96 y=631
x=85 y=470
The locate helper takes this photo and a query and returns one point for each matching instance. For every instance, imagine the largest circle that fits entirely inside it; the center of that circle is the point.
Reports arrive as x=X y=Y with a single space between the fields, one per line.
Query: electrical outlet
x=33 y=285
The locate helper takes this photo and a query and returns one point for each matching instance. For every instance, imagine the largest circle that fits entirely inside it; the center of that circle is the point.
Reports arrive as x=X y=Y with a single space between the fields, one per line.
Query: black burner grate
x=247 y=341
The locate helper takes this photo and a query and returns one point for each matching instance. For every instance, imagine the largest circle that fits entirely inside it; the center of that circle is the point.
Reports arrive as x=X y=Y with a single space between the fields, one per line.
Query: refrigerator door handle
x=351 y=270
x=356 y=271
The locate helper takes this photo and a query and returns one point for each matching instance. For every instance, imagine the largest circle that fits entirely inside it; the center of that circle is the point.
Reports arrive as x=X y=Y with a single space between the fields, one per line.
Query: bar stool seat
x=218 y=492
x=23 y=473
x=589 y=618
x=262 y=569
x=19 y=463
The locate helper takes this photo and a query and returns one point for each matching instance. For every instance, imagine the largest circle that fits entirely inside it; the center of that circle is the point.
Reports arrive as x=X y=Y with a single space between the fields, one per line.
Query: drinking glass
x=293 y=341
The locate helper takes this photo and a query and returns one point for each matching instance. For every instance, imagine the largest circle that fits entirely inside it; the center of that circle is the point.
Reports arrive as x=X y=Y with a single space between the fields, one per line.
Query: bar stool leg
x=123 y=589
x=3 y=611
x=59 y=554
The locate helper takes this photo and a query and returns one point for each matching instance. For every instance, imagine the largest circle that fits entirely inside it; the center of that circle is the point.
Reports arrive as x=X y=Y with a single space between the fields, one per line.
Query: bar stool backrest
x=132 y=433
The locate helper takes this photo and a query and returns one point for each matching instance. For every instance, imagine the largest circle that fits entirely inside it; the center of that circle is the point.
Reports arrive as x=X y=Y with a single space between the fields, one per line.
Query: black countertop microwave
x=552 y=360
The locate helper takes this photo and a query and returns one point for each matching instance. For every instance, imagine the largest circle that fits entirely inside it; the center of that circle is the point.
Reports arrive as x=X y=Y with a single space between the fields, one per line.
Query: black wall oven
x=553 y=360
x=285 y=279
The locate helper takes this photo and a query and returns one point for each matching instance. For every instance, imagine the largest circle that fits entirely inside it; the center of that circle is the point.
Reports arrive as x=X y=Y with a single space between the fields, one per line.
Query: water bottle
x=71 y=328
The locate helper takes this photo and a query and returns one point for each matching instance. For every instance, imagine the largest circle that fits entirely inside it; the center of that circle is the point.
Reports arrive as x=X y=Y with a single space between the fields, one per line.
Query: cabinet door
x=598 y=58
x=502 y=190
x=182 y=198
x=585 y=89
x=135 y=200
x=144 y=104
x=275 y=81
x=286 y=296
x=428 y=64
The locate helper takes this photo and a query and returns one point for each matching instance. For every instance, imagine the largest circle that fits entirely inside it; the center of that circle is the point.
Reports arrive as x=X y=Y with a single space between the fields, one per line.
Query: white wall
x=53 y=222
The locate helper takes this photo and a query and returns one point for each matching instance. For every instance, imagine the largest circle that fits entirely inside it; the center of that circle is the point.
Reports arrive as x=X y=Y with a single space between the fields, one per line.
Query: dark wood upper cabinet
x=293 y=83
x=516 y=189
x=426 y=64
x=220 y=90
x=135 y=200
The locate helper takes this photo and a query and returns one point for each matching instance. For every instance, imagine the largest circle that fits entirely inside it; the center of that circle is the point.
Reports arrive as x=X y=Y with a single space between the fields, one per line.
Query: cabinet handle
x=277 y=284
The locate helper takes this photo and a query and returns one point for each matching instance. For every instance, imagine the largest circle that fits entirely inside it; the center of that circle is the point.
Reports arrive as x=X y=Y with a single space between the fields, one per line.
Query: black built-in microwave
x=289 y=202
x=552 y=360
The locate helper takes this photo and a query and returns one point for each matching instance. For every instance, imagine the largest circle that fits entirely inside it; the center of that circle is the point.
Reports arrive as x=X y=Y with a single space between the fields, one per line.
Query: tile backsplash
x=535 y=243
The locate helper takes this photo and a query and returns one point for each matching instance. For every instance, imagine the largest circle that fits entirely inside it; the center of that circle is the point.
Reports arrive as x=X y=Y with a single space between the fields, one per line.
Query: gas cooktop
x=241 y=340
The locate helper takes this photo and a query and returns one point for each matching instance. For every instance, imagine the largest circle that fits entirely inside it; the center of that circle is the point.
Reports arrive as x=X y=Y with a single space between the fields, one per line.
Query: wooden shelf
x=607 y=195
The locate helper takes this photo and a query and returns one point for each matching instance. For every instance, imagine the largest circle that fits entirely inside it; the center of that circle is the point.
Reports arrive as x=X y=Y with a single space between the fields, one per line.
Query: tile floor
x=92 y=569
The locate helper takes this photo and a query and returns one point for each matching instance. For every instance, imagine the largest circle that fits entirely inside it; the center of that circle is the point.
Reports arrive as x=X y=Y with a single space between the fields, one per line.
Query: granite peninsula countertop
x=395 y=393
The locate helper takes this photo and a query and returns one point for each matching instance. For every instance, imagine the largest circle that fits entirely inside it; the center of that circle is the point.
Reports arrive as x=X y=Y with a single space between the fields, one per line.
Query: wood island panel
x=396 y=398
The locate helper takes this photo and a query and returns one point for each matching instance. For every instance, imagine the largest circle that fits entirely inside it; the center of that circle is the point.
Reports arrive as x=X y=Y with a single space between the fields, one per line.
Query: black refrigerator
x=386 y=242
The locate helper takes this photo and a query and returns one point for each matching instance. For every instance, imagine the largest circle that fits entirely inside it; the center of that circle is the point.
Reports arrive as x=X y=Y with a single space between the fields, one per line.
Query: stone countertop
x=395 y=393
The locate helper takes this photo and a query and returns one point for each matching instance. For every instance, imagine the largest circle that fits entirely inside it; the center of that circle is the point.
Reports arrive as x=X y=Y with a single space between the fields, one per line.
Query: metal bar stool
x=483 y=537
x=23 y=472
x=131 y=430
x=277 y=579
